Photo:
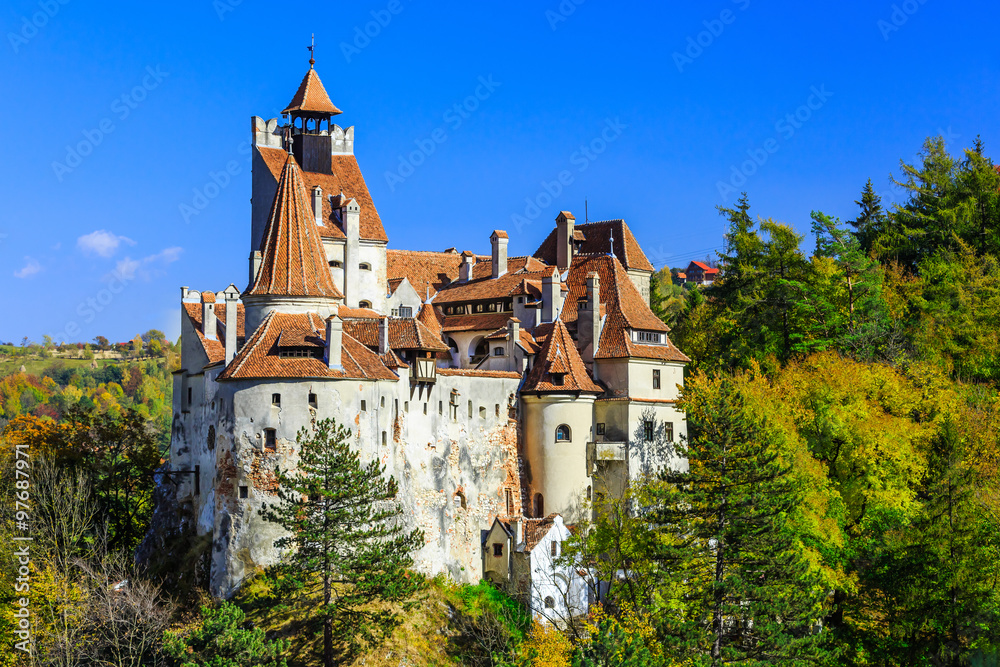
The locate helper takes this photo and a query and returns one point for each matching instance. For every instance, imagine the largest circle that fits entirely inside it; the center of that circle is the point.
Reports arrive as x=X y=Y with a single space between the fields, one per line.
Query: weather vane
x=312 y=51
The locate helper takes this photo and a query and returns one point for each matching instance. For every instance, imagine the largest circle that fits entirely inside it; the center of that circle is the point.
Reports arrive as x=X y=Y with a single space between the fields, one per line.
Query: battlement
x=270 y=133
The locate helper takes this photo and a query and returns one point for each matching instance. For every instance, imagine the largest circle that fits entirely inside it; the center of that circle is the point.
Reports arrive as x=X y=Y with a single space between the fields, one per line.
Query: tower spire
x=312 y=52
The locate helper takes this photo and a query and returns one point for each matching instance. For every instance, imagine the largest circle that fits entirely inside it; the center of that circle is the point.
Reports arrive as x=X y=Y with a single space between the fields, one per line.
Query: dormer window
x=558 y=379
x=649 y=337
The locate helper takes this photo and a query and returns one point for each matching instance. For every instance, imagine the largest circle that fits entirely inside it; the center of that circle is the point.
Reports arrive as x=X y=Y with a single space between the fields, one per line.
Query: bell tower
x=311 y=126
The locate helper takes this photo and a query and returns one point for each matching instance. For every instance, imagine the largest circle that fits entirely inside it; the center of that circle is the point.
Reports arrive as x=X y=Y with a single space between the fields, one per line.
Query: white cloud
x=102 y=243
x=31 y=267
x=147 y=267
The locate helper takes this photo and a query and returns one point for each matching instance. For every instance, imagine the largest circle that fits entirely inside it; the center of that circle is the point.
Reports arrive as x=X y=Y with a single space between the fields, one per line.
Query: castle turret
x=310 y=110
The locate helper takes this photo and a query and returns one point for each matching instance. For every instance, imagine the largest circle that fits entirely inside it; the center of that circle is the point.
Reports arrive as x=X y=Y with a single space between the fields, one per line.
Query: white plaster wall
x=405 y=295
x=258 y=307
x=373 y=284
x=558 y=470
x=566 y=588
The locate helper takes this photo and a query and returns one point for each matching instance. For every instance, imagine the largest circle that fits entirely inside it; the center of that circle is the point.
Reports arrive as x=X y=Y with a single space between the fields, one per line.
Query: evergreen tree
x=869 y=226
x=345 y=526
x=222 y=641
x=752 y=598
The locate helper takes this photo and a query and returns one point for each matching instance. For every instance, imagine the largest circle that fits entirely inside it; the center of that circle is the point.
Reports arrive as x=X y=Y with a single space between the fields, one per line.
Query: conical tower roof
x=311 y=98
x=293 y=261
x=559 y=367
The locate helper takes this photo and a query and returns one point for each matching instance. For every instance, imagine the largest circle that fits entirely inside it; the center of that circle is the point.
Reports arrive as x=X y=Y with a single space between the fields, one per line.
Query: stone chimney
x=383 y=335
x=465 y=270
x=551 y=297
x=513 y=336
x=334 y=341
x=565 y=226
x=184 y=292
x=350 y=216
x=232 y=327
x=317 y=202
x=499 y=241
x=256 y=258
x=589 y=319
x=208 y=326
x=518 y=531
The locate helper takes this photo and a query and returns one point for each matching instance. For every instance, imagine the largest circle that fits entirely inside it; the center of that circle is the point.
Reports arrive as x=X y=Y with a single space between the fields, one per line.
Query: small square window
x=270 y=439
x=244 y=492
x=482 y=412
x=276 y=400
x=312 y=400
x=600 y=428
x=405 y=311
x=497 y=549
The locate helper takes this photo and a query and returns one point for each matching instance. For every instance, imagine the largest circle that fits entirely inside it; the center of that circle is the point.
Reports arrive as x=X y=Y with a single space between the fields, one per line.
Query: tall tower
x=311 y=113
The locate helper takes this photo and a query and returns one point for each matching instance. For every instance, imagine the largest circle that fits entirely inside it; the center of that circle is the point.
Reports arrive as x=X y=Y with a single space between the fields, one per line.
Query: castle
x=491 y=387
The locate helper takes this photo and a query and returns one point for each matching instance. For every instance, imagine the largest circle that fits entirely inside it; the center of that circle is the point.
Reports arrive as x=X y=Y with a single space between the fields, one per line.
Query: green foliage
x=345 y=526
x=222 y=641
x=612 y=645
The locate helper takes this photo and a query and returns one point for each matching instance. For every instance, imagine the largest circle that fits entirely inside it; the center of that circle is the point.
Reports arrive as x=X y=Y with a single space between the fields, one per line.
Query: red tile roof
x=423 y=269
x=259 y=358
x=559 y=355
x=311 y=97
x=294 y=261
x=704 y=267
x=430 y=318
x=478 y=322
x=525 y=339
x=598 y=242
x=405 y=333
x=345 y=177
x=522 y=274
x=535 y=530
x=346 y=313
x=215 y=350
x=470 y=372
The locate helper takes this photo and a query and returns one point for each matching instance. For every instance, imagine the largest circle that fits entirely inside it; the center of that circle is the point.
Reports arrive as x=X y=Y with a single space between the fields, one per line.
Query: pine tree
x=870 y=223
x=751 y=597
x=345 y=526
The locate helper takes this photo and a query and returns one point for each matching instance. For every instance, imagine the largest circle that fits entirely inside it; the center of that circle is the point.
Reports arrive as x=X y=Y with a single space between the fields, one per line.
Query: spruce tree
x=870 y=223
x=345 y=527
x=750 y=596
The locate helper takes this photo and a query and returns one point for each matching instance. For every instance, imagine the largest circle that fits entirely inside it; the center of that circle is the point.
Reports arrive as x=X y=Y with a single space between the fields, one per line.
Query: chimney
x=465 y=270
x=518 y=531
x=551 y=296
x=513 y=336
x=565 y=226
x=232 y=329
x=334 y=341
x=184 y=292
x=208 y=326
x=256 y=259
x=317 y=200
x=499 y=240
x=589 y=319
x=383 y=335
x=350 y=216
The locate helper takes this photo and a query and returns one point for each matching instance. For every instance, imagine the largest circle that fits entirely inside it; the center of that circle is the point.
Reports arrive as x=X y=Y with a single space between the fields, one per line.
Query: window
x=562 y=433
x=509 y=499
x=600 y=428
x=335 y=264
x=425 y=408
x=190 y=400
x=499 y=352
x=276 y=400
x=381 y=402
x=647 y=431
x=497 y=409
x=197 y=480
x=405 y=311
x=590 y=493
x=497 y=549
x=270 y=439
x=554 y=548
x=384 y=439
x=656 y=378
x=470 y=409
x=244 y=492
x=406 y=406
x=364 y=304
x=440 y=407
x=364 y=406
x=558 y=379
x=482 y=412
x=365 y=266
x=539 y=505
x=459 y=499
x=669 y=427
x=648 y=337
x=549 y=602
x=312 y=400
x=316 y=352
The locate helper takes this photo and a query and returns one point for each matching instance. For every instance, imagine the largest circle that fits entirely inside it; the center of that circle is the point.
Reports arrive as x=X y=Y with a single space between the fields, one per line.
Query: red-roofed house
x=700 y=273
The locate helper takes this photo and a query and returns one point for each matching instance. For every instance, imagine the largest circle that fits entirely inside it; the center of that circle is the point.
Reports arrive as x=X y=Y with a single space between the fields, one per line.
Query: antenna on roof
x=612 y=242
x=312 y=52
x=586 y=211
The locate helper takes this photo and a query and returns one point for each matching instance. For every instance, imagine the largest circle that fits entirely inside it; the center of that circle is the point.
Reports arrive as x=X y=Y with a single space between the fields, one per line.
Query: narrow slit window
x=244 y=492
x=312 y=400
x=276 y=400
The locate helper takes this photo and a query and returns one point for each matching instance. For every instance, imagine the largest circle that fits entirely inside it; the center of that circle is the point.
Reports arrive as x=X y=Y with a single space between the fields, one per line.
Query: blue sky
x=117 y=115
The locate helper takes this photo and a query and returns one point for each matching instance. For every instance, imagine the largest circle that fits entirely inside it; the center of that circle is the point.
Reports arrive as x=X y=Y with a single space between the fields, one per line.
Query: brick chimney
x=334 y=341
x=589 y=319
x=465 y=270
x=498 y=240
x=565 y=226
x=232 y=327
x=317 y=202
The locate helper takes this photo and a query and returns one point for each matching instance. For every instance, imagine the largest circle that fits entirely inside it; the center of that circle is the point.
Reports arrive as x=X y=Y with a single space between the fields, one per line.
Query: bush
x=221 y=641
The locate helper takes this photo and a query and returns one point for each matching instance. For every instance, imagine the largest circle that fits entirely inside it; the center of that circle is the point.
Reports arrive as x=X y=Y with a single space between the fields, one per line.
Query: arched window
x=335 y=264
x=539 y=505
x=365 y=266
x=562 y=433
x=364 y=304
x=549 y=602
x=499 y=352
